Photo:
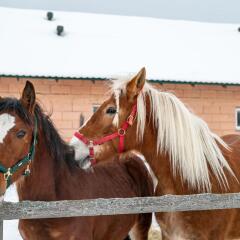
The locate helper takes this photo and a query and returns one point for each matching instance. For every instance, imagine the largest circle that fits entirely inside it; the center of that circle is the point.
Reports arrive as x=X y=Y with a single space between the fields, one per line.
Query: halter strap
x=120 y=133
x=8 y=172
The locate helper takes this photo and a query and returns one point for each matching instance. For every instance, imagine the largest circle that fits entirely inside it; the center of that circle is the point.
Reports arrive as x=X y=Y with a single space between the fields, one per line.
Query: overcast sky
x=199 y=10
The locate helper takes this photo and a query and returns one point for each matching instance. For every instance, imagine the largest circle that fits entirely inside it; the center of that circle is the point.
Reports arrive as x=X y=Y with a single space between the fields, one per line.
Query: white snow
x=100 y=46
x=10 y=228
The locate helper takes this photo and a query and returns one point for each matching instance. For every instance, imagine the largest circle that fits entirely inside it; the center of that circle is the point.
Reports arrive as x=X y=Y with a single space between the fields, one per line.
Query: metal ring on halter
x=121 y=132
x=7 y=174
x=91 y=144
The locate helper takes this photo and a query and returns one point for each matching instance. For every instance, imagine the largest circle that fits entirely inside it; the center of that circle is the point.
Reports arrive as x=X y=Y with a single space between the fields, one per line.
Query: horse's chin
x=81 y=150
x=84 y=163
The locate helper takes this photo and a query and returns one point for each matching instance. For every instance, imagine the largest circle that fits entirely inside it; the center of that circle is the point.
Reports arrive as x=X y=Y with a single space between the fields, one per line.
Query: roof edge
x=193 y=82
x=102 y=79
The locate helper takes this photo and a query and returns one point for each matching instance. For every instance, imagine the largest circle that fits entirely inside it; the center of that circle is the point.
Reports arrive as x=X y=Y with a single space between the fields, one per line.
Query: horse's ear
x=28 y=98
x=136 y=84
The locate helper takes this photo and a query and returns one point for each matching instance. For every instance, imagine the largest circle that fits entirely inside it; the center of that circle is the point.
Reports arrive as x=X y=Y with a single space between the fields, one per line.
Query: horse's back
x=141 y=174
x=233 y=157
x=124 y=176
x=233 y=140
x=138 y=170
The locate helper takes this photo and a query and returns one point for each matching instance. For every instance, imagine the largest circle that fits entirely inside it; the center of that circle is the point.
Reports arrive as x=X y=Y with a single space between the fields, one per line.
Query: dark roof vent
x=239 y=29
x=49 y=16
x=60 y=30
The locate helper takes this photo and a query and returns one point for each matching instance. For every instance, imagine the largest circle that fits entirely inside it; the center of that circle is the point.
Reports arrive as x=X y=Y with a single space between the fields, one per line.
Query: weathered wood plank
x=167 y=203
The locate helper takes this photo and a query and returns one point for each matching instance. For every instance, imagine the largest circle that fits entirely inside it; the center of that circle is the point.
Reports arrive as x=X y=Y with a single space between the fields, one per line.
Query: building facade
x=67 y=99
x=188 y=58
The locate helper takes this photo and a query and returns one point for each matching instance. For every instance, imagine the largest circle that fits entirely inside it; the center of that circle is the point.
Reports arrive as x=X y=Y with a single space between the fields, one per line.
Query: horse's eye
x=111 y=110
x=21 y=134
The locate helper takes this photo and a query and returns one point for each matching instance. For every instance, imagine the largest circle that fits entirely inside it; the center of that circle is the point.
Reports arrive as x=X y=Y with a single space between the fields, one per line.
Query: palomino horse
x=30 y=145
x=184 y=154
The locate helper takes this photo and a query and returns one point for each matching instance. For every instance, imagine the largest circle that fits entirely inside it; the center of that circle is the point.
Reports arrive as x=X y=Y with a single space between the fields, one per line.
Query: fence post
x=1 y=229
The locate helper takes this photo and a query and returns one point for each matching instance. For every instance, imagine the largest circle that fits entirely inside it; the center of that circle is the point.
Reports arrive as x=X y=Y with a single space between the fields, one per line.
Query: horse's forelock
x=13 y=105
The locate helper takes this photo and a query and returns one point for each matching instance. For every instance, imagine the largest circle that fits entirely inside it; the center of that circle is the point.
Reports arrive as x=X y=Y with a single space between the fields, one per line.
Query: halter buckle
x=121 y=132
x=90 y=145
x=27 y=170
x=7 y=174
x=130 y=120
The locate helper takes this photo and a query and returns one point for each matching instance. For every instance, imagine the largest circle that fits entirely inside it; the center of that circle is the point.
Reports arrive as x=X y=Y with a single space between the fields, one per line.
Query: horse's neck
x=167 y=182
x=159 y=162
x=41 y=184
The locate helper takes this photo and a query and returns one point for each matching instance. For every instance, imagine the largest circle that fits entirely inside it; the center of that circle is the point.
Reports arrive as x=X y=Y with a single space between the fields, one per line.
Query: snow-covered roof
x=100 y=46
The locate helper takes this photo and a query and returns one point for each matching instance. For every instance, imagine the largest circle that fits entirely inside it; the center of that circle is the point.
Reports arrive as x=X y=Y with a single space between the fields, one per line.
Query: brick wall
x=214 y=103
x=68 y=98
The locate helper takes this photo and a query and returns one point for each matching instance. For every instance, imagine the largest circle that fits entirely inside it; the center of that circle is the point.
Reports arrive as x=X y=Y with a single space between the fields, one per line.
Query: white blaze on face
x=81 y=149
x=7 y=122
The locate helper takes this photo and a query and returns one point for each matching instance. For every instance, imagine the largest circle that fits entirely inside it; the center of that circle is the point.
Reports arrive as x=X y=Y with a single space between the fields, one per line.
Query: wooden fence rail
x=113 y=206
x=96 y=207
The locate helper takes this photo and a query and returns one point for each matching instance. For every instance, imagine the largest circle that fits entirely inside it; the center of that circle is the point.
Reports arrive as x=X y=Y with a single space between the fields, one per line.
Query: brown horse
x=31 y=146
x=184 y=154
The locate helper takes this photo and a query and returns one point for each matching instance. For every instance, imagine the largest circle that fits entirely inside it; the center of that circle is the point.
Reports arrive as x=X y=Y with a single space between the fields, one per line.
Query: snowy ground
x=10 y=228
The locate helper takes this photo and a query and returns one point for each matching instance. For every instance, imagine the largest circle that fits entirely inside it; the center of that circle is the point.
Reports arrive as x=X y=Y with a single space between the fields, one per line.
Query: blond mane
x=191 y=145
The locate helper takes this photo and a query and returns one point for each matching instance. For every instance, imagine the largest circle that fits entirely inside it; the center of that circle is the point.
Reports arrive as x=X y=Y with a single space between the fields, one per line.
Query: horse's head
x=114 y=117
x=16 y=136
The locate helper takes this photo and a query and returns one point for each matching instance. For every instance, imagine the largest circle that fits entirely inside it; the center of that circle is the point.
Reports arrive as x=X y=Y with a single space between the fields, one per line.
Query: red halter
x=121 y=132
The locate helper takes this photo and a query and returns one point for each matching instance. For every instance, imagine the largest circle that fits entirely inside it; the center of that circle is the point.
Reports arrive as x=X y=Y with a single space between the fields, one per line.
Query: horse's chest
x=30 y=231
x=36 y=231
x=172 y=226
